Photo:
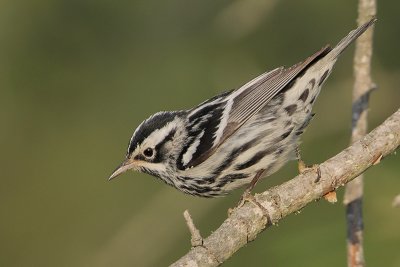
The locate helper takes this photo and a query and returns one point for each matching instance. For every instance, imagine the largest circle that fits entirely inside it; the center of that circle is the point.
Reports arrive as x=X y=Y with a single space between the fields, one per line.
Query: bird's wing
x=249 y=101
x=218 y=118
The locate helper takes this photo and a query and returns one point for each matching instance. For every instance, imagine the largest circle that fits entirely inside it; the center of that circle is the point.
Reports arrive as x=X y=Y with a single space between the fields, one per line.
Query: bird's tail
x=346 y=41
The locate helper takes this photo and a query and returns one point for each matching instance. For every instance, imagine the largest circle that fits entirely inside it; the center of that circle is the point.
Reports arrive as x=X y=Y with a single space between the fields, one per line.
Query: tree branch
x=362 y=88
x=249 y=220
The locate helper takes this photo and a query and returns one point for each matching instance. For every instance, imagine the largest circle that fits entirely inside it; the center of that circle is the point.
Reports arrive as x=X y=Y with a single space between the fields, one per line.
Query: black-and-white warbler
x=238 y=136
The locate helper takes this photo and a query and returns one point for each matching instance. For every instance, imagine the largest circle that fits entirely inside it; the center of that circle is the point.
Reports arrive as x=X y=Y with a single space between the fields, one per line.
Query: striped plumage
x=222 y=143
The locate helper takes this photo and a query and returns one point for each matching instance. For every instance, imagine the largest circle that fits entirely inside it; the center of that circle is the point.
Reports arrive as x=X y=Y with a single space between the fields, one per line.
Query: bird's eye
x=148 y=152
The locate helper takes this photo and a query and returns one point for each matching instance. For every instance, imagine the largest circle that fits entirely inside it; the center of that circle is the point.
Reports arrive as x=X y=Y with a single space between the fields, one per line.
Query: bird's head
x=155 y=145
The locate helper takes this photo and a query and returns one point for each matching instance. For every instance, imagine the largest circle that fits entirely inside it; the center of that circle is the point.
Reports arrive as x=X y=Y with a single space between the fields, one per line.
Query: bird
x=237 y=137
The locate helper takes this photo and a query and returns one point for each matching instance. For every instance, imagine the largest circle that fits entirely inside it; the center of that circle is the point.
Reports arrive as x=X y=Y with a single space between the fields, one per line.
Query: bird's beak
x=125 y=165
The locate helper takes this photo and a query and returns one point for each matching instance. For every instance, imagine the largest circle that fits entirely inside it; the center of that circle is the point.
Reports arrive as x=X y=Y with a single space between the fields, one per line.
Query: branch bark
x=362 y=88
x=246 y=222
x=196 y=239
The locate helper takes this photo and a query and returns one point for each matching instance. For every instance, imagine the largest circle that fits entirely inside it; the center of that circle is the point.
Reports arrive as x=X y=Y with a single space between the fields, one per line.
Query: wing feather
x=247 y=105
x=249 y=99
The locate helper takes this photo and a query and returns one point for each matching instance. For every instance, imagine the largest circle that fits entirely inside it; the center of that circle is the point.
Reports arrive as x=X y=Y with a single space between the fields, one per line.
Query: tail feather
x=346 y=41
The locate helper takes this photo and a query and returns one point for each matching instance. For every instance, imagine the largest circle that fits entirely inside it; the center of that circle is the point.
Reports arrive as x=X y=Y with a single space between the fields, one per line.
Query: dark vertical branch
x=362 y=87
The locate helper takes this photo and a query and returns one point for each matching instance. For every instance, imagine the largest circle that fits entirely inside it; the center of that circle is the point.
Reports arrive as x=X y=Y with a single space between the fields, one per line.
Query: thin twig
x=246 y=222
x=363 y=86
x=196 y=239
x=396 y=201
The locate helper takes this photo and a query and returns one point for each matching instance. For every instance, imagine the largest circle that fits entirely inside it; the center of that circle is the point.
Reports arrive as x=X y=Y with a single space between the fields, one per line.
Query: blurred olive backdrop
x=77 y=77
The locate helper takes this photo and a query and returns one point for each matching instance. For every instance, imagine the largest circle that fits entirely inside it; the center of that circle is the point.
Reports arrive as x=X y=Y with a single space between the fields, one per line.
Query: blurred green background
x=77 y=77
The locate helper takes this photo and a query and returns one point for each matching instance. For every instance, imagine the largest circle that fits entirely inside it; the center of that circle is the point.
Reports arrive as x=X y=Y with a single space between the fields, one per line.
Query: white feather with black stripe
x=226 y=141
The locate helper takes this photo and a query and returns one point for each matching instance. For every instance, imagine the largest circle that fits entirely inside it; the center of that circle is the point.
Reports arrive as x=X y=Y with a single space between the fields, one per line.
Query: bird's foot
x=303 y=168
x=247 y=197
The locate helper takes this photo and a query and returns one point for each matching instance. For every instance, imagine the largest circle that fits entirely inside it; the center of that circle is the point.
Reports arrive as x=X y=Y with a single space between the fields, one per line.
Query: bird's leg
x=253 y=182
x=247 y=196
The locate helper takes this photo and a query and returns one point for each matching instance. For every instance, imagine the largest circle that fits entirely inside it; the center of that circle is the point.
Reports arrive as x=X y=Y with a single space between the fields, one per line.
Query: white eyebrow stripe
x=160 y=134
